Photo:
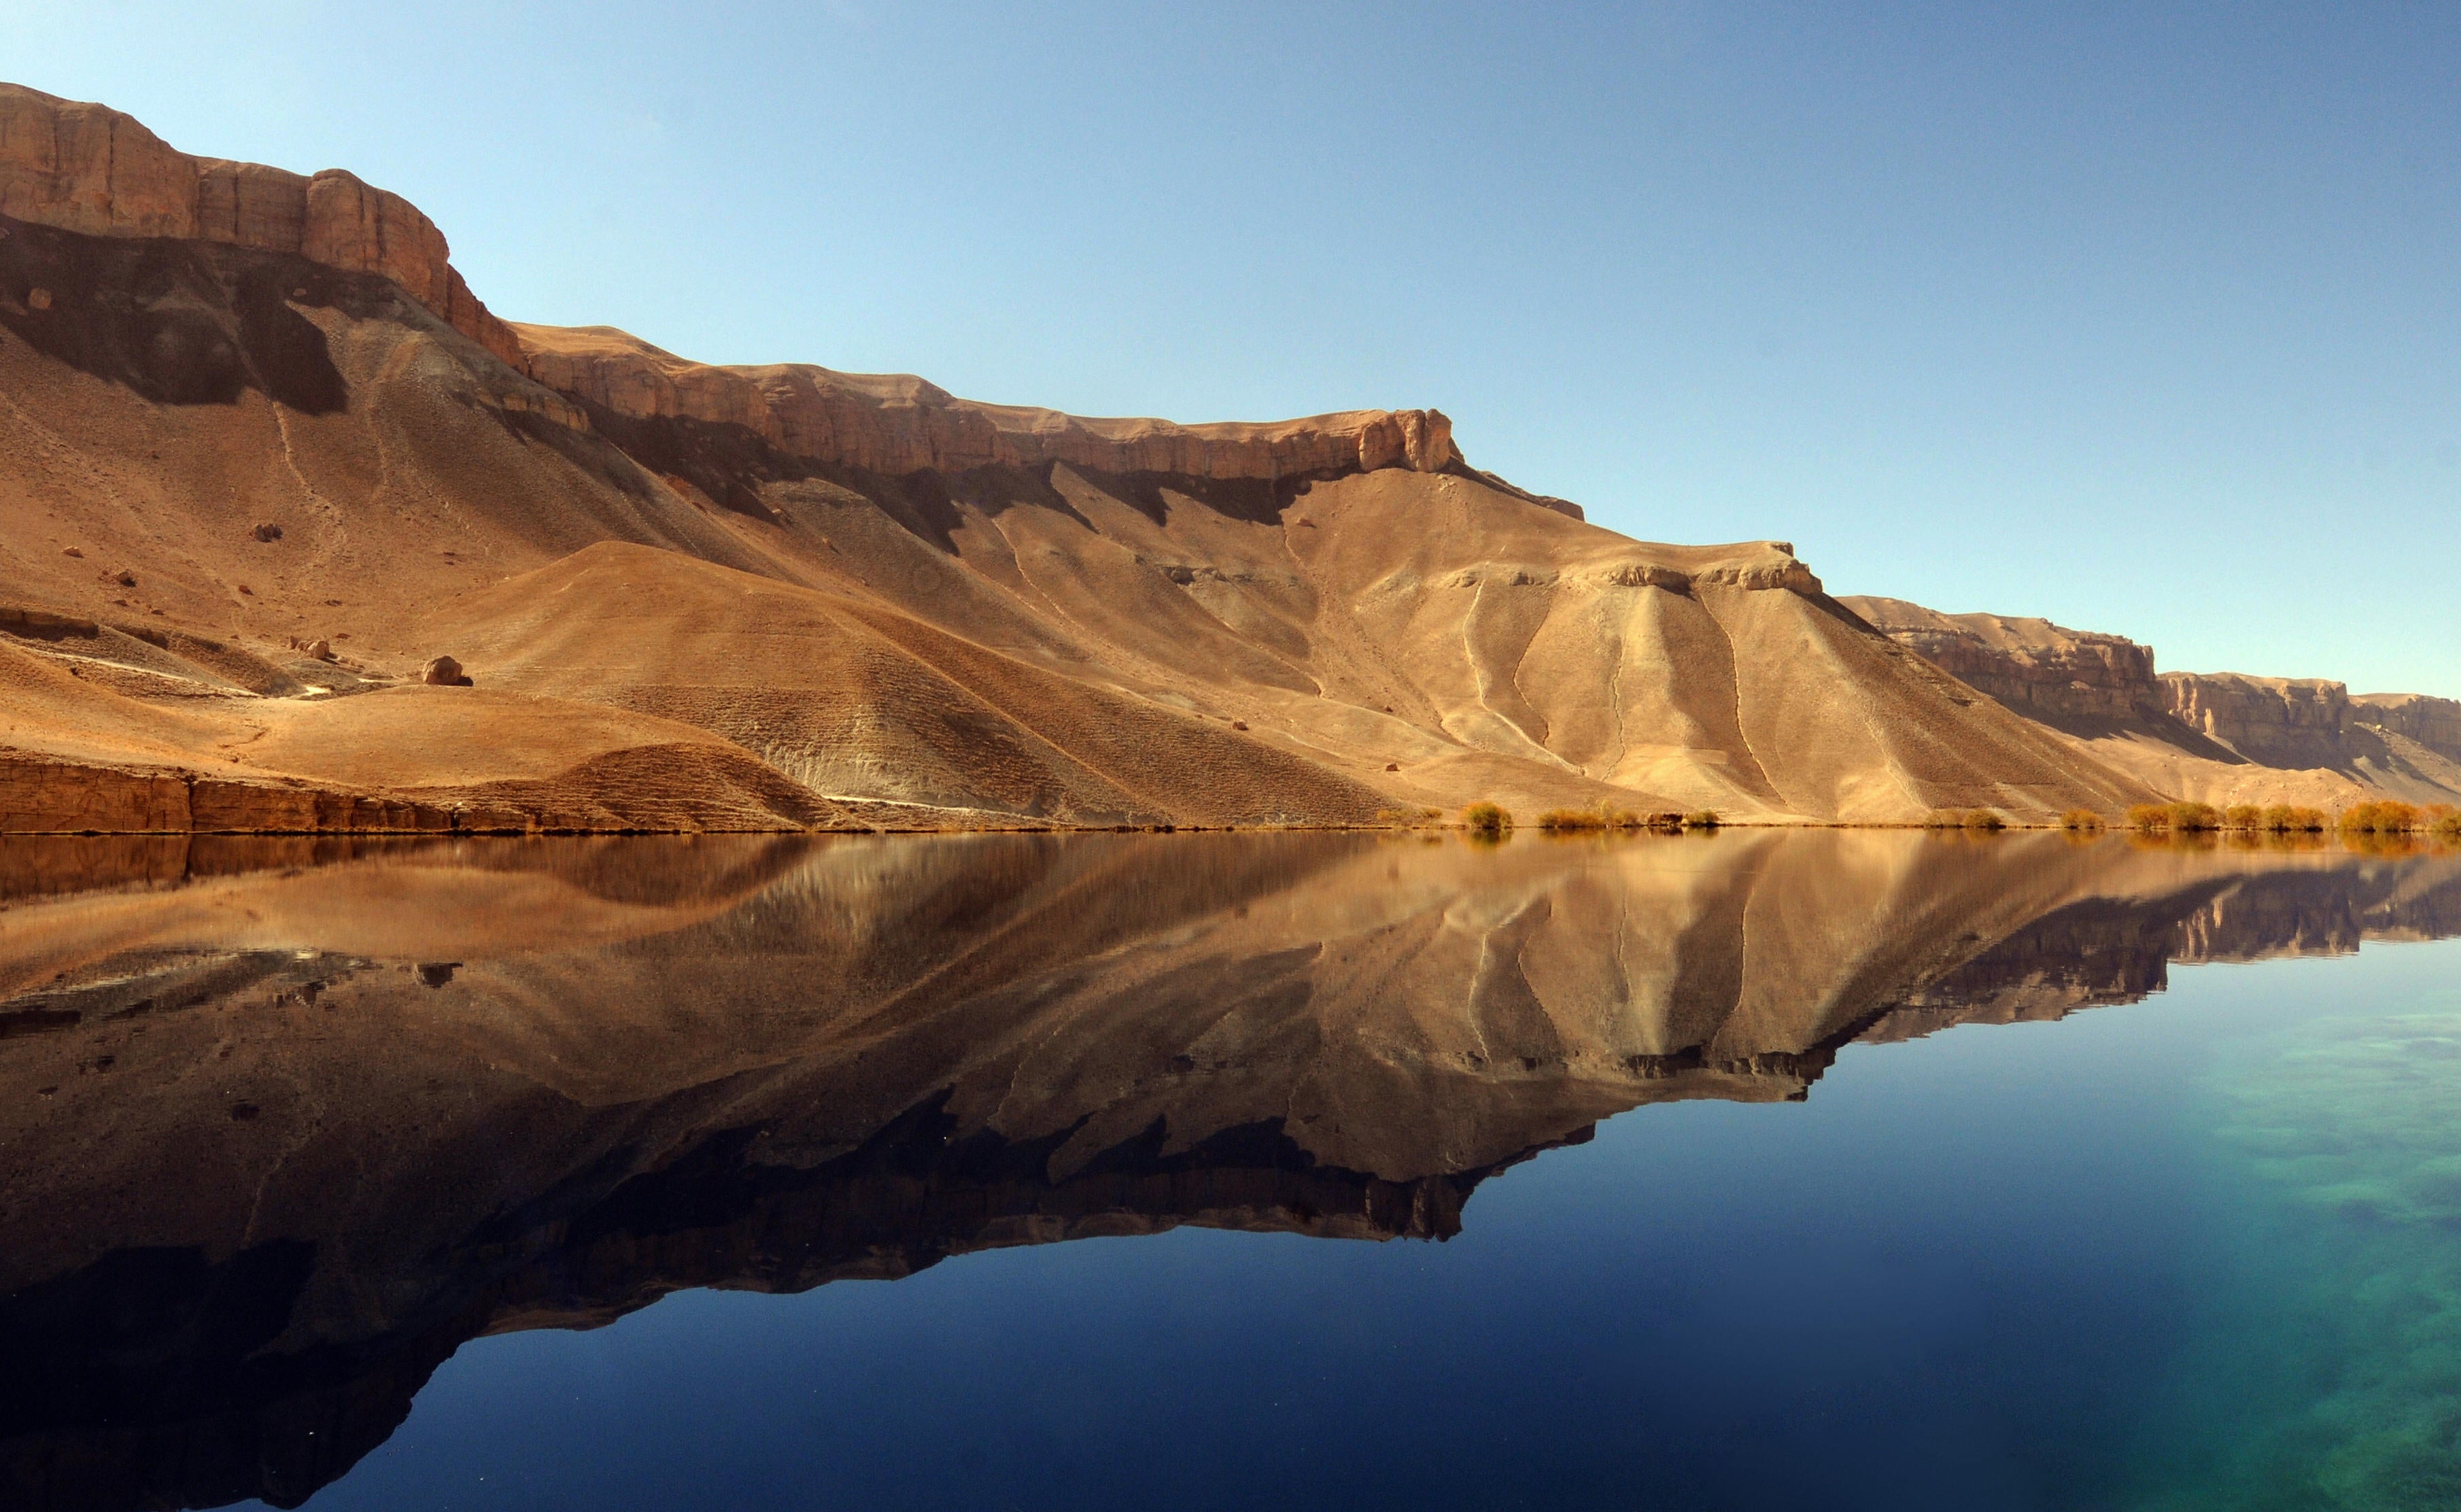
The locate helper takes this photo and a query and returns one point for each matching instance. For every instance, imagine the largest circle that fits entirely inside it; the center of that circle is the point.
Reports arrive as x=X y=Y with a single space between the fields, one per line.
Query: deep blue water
x=1829 y=1170
x=1978 y=1270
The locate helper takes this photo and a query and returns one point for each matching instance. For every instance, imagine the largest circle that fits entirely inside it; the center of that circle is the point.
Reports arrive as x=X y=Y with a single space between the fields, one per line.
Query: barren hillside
x=265 y=457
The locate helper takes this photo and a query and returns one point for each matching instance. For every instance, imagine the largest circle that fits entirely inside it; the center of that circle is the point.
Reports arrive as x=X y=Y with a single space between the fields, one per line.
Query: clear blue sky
x=2148 y=320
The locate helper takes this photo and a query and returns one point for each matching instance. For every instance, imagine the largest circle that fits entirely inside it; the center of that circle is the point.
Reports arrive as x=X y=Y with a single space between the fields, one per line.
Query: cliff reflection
x=290 y=1122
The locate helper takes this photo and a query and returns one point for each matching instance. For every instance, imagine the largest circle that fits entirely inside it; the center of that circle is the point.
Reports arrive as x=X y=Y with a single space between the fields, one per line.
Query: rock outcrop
x=2219 y=737
x=897 y=423
x=91 y=169
x=2435 y=723
x=2031 y=665
x=2272 y=721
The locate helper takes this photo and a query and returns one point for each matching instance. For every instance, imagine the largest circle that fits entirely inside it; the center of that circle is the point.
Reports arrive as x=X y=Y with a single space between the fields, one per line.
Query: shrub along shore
x=2381 y=816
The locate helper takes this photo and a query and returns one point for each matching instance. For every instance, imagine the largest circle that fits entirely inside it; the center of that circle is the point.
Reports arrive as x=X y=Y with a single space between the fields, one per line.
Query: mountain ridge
x=2221 y=737
x=838 y=600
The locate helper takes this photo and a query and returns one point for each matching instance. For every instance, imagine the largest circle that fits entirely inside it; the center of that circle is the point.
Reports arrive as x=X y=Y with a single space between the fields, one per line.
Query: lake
x=1749 y=1170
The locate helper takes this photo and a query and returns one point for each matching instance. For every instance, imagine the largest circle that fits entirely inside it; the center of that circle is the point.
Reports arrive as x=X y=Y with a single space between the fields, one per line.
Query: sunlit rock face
x=91 y=169
x=2435 y=723
x=288 y=1121
x=2281 y=721
x=2030 y=664
x=2217 y=737
x=897 y=423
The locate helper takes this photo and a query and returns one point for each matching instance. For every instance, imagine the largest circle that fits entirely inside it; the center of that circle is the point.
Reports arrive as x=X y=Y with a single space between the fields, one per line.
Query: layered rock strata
x=91 y=169
x=2031 y=665
x=897 y=423
x=711 y=598
x=2435 y=723
x=2273 y=720
x=2221 y=737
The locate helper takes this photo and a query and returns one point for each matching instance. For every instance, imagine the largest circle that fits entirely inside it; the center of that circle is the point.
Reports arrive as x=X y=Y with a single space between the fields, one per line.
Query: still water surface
x=1818 y=1170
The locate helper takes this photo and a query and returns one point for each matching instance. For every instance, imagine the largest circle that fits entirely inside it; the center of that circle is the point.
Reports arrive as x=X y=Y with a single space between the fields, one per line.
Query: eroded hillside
x=264 y=459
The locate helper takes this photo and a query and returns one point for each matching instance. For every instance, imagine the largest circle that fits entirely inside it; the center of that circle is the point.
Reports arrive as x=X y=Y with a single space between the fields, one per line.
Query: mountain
x=2215 y=737
x=266 y=457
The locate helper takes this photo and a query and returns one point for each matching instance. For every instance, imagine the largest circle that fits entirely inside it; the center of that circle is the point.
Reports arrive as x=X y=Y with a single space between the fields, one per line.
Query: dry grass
x=2179 y=818
x=1484 y=818
x=1984 y=822
x=1577 y=821
x=1701 y=818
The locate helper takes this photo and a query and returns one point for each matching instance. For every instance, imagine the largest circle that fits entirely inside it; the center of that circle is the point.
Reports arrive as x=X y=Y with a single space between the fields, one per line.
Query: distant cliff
x=2435 y=723
x=2274 y=721
x=2032 y=666
x=2190 y=726
x=694 y=596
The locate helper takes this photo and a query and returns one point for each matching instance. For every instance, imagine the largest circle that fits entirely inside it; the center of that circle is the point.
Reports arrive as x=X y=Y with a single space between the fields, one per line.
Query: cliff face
x=90 y=169
x=898 y=424
x=2274 y=722
x=2032 y=666
x=2313 y=721
x=2217 y=737
x=2435 y=723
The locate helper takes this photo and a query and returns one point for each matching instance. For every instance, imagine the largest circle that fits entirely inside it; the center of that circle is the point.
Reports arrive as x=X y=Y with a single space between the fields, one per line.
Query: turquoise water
x=2325 y=1371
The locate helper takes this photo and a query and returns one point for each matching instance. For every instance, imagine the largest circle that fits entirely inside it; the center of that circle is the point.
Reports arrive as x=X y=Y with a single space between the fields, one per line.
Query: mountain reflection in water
x=288 y=1121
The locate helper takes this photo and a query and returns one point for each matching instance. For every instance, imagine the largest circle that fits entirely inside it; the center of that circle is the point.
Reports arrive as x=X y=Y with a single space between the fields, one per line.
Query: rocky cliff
x=91 y=169
x=898 y=423
x=2435 y=723
x=2272 y=721
x=2031 y=665
x=2213 y=736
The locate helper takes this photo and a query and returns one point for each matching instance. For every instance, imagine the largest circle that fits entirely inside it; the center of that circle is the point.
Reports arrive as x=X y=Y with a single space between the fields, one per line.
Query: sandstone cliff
x=898 y=423
x=2272 y=721
x=2213 y=736
x=2032 y=666
x=2435 y=723
x=90 y=169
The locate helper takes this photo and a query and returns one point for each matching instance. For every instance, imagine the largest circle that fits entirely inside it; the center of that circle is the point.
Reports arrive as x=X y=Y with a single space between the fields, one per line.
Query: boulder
x=320 y=647
x=445 y=673
x=266 y=532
